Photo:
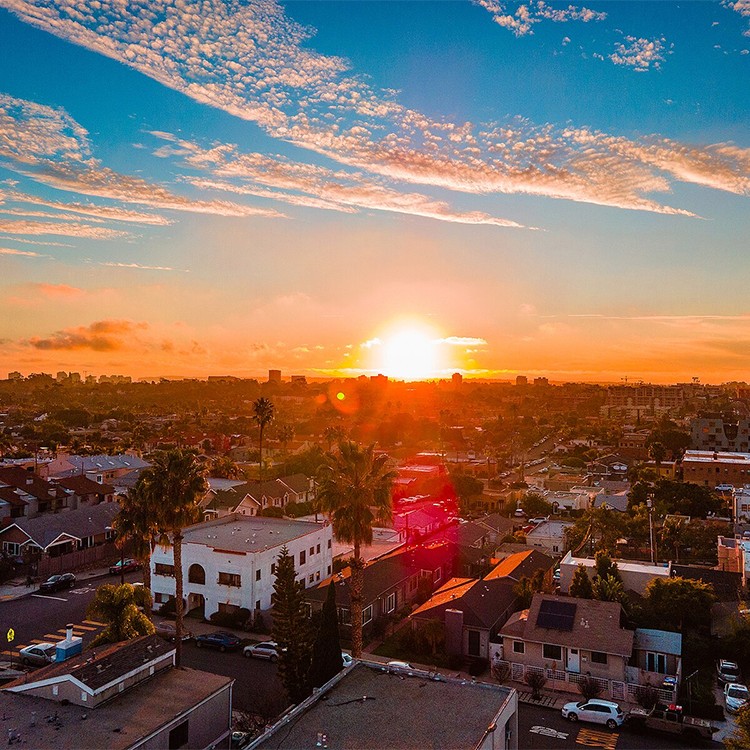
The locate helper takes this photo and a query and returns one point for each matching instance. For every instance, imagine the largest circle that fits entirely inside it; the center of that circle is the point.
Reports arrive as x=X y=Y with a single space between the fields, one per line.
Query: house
x=549 y=536
x=389 y=583
x=122 y=696
x=249 y=498
x=498 y=527
x=716 y=468
x=39 y=496
x=369 y=706
x=229 y=563
x=578 y=636
x=635 y=575
x=57 y=542
x=657 y=655
x=606 y=498
x=98 y=468
x=86 y=491
x=741 y=504
x=577 y=498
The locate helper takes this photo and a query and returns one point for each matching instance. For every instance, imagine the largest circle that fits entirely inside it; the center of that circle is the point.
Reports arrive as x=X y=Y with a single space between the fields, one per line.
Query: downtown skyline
x=338 y=188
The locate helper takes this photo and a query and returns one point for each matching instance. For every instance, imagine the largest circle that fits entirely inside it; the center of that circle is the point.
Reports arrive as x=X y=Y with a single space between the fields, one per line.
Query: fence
x=615 y=689
x=83 y=558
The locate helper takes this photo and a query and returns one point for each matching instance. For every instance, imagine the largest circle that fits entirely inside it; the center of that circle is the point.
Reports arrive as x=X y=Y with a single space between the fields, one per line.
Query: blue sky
x=228 y=186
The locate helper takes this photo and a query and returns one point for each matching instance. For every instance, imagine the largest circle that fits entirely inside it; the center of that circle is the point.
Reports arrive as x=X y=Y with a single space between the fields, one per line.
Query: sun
x=409 y=353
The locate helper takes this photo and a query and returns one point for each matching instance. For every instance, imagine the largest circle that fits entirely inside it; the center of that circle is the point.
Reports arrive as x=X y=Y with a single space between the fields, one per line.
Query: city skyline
x=362 y=187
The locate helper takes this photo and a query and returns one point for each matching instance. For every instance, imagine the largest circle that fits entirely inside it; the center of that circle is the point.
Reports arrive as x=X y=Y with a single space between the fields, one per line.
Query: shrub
x=536 y=681
x=168 y=608
x=589 y=688
x=500 y=671
x=272 y=512
x=647 y=696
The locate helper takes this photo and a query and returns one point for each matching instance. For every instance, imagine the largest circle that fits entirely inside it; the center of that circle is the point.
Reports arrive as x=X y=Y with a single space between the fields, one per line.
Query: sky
x=414 y=188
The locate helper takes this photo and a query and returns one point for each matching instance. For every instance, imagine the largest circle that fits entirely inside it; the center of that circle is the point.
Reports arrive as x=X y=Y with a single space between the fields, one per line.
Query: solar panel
x=556 y=615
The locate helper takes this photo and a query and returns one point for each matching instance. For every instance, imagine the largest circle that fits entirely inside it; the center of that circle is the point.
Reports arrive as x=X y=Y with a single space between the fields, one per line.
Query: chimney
x=69 y=631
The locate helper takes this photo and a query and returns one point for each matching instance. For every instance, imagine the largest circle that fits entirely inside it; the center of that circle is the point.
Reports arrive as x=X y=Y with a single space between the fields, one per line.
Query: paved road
x=545 y=729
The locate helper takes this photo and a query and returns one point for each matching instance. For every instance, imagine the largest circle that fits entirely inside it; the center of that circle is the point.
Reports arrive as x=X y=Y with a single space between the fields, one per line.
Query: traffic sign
x=11 y=635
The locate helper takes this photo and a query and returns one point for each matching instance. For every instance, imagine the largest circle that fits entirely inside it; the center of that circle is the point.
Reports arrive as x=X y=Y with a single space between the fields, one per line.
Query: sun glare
x=409 y=354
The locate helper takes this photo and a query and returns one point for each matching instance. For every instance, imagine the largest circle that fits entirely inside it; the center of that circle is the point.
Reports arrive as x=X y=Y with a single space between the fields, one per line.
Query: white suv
x=595 y=711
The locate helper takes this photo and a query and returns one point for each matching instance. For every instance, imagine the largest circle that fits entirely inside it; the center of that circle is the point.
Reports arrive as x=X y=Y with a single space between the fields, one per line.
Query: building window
x=345 y=616
x=329 y=570
x=230 y=579
x=257 y=575
x=474 y=643
x=257 y=604
x=12 y=548
x=196 y=574
x=302 y=557
x=317 y=549
x=598 y=657
x=312 y=551
x=162 y=569
x=437 y=575
x=390 y=602
x=519 y=647
x=273 y=569
x=329 y=544
x=311 y=578
x=552 y=652
x=178 y=737
x=367 y=614
x=317 y=576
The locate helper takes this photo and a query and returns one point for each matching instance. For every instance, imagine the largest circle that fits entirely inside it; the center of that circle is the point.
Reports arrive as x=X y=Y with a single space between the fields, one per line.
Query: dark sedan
x=220 y=639
x=59 y=582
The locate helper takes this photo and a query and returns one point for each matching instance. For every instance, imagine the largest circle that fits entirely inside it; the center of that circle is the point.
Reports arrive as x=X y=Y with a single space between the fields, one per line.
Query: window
x=519 y=647
x=230 y=579
x=437 y=575
x=345 y=616
x=257 y=575
x=312 y=551
x=598 y=657
x=390 y=602
x=273 y=569
x=367 y=614
x=656 y=662
x=161 y=569
x=329 y=570
x=178 y=737
x=196 y=574
x=317 y=549
x=257 y=604
x=311 y=578
x=302 y=557
x=317 y=576
x=12 y=548
x=473 y=643
x=329 y=544
x=552 y=652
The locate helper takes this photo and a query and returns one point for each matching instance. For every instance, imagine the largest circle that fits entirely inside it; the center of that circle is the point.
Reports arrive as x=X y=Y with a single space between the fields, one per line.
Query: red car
x=124 y=566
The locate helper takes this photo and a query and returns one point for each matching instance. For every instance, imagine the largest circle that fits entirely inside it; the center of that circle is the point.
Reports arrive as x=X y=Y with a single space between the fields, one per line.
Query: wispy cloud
x=462 y=341
x=526 y=15
x=85 y=231
x=257 y=64
x=23 y=253
x=638 y=53
x=45 y=243
x=140 y=266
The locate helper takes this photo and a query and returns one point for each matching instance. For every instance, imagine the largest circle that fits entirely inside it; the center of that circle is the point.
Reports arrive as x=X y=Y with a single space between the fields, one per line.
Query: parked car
x=124 y=566
x=400 y=664
x=39 y=654
x=240 y=739
x=346 y=659
x=727 y=671
x=735 y=696
x=220 y=639
x=520 y=513
x=596 y=711
x=266 y=650
x=538 y=521
x=58 y=582
x=168 y=631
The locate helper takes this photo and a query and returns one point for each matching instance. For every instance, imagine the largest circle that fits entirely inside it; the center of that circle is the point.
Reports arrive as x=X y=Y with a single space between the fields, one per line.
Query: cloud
x=255 y=63
x=370 y=343
x=101 y=336
x=462 y=341
x=46 y=243
x=526 y=15
x=743 y=8
x=638 y=53
x=24 y=253
x=140 y=266
x=85 y=231
x=53 y=291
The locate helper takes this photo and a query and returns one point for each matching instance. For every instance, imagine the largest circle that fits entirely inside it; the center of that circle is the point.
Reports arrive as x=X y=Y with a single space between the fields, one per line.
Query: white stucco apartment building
x=230 y=562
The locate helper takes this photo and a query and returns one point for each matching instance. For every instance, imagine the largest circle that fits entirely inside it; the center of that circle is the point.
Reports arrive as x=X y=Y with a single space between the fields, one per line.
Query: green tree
x=609 y=589
x=285 y=434
x=292 y=629
x=355 y=492
x=326 y=653
x=677 y=604
x=534 y=504
x=580 y=586
x=137 y=525
x=740 y=739
x=263 y=414
x=658 y=452
x=605 y=568
x=527 y=587
x=671 y=536
x=119 y=607
x=176 y=482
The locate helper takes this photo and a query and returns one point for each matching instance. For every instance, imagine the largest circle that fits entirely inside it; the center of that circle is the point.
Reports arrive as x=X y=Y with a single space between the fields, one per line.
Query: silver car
x=266 y=650
x=596 y=711
x=38 y=654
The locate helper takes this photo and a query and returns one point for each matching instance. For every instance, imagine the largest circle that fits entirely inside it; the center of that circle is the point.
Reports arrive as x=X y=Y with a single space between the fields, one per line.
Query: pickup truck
x=663 y=718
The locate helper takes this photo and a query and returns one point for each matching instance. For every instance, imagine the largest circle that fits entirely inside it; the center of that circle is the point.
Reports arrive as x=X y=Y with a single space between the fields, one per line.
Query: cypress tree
x=581 y=586
x=291 y=629
x=326 y=655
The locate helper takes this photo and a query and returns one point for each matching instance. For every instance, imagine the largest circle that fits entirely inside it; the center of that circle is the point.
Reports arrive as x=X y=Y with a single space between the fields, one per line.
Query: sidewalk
x=16 y=588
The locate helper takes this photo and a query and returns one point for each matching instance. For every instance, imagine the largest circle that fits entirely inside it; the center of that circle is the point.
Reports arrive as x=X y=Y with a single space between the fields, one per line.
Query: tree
x=285 y=433
x=176 y=482
x=263 y=413
x=224 y=468
x=740 y=739
x=355 y=492
x=610 y=589
x=333 y=434
x=534 y=504
x=326 y=653
x=677 y=604
x=589 y=688
x=658 y=452
x=605 y=568
x=291 y=629
x=137 y=525
x=580 y=586
x=536 y=681
x=119 y=607
x=671 y=536
x=527 y=587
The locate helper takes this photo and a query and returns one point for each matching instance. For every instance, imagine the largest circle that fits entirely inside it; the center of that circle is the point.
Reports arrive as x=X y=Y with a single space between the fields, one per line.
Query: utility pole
x=650 y=506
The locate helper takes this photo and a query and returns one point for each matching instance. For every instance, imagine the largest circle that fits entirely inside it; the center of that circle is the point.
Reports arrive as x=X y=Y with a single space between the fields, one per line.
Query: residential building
x=715 y=468
x=549 y=536
x=97 y=468
x=229 y=563
x=741 y=504
x=718 y=435
x=122 y=696
x=657 y=654
x=249 y=498
x=612 y=500
x=401 y=709
x=635 y=575
x=274 y=376
x=643 y=400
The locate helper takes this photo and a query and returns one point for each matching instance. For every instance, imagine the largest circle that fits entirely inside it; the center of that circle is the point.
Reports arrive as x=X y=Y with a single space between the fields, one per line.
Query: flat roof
x=711 y=457
x=117 y=724
x=372 y=707
x=239 y=533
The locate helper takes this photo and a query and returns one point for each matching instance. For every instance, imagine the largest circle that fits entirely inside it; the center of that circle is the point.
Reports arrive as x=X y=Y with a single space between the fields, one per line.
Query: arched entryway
x=196 y=574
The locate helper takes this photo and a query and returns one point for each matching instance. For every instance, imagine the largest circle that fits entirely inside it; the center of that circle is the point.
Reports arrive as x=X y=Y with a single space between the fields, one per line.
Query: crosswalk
x=594 y=738
x=85 y=629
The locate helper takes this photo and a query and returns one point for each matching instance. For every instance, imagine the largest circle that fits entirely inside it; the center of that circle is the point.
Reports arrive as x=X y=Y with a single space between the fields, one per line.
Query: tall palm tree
x=355 y=492
x=263 y=413
x=119 y=607
x=137 y=526
x=176 y=480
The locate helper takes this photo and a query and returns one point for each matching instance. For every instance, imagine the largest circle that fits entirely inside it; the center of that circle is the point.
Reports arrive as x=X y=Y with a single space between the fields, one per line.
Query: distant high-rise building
x=522 y=380
x=718 y=435
x=301 y=379
x=75 y=377
x=457 y=379
x=90 y=379
x=541 y=381
x=274 y=376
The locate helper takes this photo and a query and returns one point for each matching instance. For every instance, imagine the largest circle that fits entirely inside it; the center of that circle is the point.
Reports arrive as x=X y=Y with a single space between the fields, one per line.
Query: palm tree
x=355 y=492
x=137 y=525
x=176 y=481
x=119 y=607
x=263 y=413
x=286 y=433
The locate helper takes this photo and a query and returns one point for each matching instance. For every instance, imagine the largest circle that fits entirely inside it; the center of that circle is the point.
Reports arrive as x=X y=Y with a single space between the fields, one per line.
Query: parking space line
x=94 y=622
x=45 y=596
x=53 y=637
x=86 y=627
